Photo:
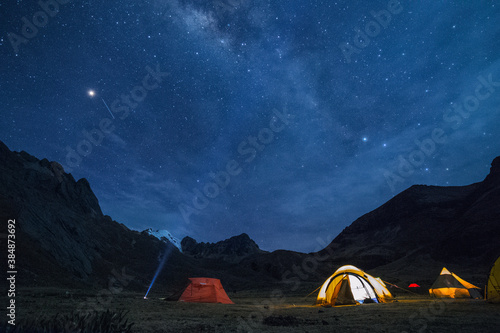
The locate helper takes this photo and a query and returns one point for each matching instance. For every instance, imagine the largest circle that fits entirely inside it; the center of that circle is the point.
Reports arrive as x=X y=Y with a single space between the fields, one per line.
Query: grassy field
x=268 y=312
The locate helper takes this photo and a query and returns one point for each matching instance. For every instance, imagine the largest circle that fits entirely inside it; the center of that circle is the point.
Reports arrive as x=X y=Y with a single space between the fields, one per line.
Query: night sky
x=286 y=120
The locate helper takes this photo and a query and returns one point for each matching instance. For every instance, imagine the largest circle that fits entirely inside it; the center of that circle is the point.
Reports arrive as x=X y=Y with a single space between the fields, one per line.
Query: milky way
x=286 y=120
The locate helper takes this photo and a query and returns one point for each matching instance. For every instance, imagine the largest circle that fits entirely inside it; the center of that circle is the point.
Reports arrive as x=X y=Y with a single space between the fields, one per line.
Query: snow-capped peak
x=165 y=235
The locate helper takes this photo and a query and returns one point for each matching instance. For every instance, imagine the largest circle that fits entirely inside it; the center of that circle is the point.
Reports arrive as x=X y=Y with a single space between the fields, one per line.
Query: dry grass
x=258 y=312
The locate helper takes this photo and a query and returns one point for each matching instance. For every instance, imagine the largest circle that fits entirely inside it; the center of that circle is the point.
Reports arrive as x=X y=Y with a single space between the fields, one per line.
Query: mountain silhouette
x=63 y=239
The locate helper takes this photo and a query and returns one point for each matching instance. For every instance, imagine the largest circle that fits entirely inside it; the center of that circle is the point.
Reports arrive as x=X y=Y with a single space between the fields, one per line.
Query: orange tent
x=450 y=285
x=205 y=290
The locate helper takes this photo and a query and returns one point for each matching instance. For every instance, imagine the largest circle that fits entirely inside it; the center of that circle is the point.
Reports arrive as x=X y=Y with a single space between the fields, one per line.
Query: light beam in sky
x=168 y=250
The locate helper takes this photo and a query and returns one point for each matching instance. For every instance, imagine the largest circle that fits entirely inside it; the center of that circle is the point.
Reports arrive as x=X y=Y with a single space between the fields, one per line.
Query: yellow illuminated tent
x=450 y=285
x=493 y=287
x=351 y=286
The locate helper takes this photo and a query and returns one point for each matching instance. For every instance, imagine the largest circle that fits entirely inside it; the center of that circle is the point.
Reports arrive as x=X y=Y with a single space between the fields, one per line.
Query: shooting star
x=107 y=107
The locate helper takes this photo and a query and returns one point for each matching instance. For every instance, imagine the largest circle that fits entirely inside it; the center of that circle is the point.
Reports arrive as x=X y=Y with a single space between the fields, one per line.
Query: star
x=211 y=126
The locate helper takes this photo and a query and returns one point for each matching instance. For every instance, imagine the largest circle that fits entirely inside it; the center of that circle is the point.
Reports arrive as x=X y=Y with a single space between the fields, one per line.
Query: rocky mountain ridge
x=63 y=237
x=231 y=250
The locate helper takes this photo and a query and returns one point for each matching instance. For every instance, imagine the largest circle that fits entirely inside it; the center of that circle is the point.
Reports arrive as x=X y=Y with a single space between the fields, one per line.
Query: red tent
x=205 y=290
x=413 y=285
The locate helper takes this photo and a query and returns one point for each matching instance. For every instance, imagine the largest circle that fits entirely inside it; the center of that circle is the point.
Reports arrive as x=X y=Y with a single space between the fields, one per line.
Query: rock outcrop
x=231 y=250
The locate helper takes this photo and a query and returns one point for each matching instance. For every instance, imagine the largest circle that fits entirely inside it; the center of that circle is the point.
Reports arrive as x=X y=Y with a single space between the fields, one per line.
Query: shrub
x=75 y=322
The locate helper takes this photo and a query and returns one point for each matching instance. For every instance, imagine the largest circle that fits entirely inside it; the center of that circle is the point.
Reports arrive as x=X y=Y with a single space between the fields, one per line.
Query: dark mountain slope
x=63 y=238
x=457 y=226
x=409 y=238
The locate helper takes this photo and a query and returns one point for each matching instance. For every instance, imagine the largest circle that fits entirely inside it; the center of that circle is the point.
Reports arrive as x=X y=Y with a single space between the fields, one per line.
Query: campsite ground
x=270 y=311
